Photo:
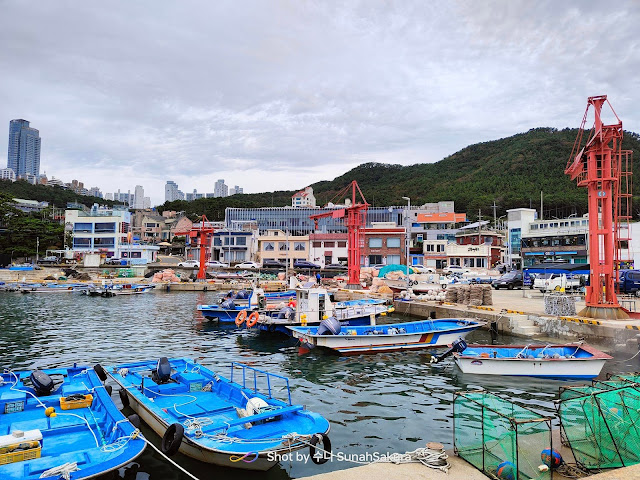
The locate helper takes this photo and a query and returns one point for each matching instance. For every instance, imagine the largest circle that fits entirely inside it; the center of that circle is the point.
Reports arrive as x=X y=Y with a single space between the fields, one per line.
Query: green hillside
x=511 y=171
x=56 y=196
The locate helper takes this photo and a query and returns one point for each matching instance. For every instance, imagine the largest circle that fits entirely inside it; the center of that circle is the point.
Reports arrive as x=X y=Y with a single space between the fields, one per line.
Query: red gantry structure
x=356 y=217
x=202 y=233
x=604 y=168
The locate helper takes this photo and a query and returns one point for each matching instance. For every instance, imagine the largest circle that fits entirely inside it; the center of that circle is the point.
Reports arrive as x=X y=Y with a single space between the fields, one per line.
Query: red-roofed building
x=303 y=198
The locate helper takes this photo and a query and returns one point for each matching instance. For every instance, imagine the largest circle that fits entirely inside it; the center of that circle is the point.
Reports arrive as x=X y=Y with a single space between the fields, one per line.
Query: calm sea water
x=375 y=403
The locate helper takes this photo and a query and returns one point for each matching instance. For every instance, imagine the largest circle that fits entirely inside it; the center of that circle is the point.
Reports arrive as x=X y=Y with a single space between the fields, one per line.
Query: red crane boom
x=203 y=233
x=356 y=216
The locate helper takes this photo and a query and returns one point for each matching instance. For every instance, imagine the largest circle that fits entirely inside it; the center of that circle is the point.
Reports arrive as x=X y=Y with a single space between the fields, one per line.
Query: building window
x=393 y=259
x=217 y=241
x=393 y=243
x=329 y=244
x=375 y=243
x=228 y=240
x=82 y=242
x=299 y=246
x=375 y=259
x=430 y=247
x=283 y=246
x=268 y=246
x=241 y=241
x=342 y=244
x=105 y=227
x=317 y=244
x=104 y=242
x=83 y=228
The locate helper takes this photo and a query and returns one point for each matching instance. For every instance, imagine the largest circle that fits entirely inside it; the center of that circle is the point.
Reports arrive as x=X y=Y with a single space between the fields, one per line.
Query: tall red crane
x=604 y=168
x=356 y=218
x=202 y=233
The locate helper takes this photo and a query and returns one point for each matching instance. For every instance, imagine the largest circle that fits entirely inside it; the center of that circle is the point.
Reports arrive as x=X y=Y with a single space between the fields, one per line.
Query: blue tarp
x=392 y=268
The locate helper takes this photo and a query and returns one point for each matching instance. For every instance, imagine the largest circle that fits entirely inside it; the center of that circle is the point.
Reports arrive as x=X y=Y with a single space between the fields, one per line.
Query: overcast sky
x=279 y=94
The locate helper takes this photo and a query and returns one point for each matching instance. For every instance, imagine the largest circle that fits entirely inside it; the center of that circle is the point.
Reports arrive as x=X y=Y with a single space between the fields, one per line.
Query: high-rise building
x=95 y=192
x=24 y=148
x=138 y=198
x=220 y=189
x=171 y=191
x=146 y=203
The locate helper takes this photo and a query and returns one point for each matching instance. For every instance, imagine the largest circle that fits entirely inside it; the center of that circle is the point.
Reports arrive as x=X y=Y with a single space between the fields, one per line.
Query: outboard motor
x=229 y=294
x=228 y=305
x=285 y=313
x=243 y=295
x=163 y=371
x=330 y=326
x=42 y=383
x=458 y=346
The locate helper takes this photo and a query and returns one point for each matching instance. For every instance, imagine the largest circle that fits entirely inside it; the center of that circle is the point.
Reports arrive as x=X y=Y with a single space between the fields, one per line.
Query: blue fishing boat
x=236 y=422
x=570 y=361
x=385 y=338
x=62 y=423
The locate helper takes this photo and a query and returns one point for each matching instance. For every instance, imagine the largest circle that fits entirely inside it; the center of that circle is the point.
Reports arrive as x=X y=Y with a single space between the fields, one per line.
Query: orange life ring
x=253 y=319
x=241 y=317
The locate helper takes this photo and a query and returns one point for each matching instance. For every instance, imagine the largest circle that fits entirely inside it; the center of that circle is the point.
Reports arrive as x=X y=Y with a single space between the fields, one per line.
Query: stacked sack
x=167 y=275
x=475 y=295
x=487 y=295
x=451 y=294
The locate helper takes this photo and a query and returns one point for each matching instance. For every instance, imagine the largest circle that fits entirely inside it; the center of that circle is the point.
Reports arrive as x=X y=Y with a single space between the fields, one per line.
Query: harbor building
x=303 y=198
x=24 y=149
x=384 y=244
x=282 y=246
x=556 y=240
x=234 y=246
x=328 y=248
x=433 y=231
x=476 y=247
x=518 y=221
x=106 y=232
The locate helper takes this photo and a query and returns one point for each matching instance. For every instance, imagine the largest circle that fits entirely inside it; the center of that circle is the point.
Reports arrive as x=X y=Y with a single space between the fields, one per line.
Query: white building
x=138 y=198
x=220 y=189
x=171 y=191
x=107 y=196
x=146 y=202
x=107 y=232
x=235 y=190
x=7 y=174
x=95 y=192
x=518 y=221
x=303 y=198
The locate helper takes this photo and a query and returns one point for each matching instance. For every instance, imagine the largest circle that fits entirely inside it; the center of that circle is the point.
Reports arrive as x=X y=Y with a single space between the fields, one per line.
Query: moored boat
x=54 y=287
x=386 y=338
x=575 y=360
x=61 y=422
x=218 y=420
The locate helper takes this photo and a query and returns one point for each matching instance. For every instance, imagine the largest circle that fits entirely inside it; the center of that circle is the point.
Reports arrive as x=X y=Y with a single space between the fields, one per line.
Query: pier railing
x=500 y=438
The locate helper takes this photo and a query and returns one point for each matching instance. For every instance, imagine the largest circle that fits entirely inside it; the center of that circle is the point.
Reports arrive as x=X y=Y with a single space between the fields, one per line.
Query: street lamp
x=406 y=226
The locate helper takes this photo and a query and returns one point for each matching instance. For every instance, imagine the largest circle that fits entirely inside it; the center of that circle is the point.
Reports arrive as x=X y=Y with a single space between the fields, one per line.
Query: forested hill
x=56 y=196
x=511 y=171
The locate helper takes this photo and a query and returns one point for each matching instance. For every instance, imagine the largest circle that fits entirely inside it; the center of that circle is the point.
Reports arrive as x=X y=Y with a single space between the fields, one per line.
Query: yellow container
x=20 y=455
x=71 y=403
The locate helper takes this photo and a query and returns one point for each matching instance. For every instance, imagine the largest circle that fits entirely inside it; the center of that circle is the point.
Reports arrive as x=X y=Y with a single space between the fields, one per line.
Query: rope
x=571 y=470
x=188 y=474
x=63 y=471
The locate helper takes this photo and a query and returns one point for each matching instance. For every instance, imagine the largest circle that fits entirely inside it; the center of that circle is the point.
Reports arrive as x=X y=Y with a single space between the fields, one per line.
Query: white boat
x=387 y=338
x=575 y=360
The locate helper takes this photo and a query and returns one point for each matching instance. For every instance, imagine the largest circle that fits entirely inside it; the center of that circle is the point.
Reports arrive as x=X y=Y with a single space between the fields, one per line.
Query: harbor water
x=376 y=404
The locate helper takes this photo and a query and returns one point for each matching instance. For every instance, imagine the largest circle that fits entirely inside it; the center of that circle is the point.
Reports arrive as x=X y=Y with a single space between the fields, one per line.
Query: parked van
x=629 y=281
x=549 y=282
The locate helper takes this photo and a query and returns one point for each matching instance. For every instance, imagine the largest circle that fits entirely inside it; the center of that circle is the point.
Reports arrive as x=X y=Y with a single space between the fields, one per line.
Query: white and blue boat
x=54 y=287
x=570 y=361
x=236 y=422
x=385 y=338
x=61 y=422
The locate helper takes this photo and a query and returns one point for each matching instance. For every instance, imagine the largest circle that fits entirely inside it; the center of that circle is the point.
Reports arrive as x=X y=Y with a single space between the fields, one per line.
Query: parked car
x=49 y=260
x=423 y=269
x=190 y=264
x=271 y=263
x=629 y=282
x=304 y=264
x=217 y=264
x=456 y=269
x=113 y=261
x=508 y=280
x=335 y=266
x=247 y=265
x=548 y=282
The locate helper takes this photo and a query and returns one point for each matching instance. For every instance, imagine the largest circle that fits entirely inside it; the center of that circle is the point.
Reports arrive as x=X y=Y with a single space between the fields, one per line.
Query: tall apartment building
x=236 y=189
x=138 y=197
x=24 y=149
x=171 y=191
x=220 y=189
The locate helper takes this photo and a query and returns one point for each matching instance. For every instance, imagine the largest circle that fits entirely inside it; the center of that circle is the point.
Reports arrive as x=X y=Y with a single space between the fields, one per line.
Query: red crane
x=203 y=234
x=356 y=216
x=604 y=168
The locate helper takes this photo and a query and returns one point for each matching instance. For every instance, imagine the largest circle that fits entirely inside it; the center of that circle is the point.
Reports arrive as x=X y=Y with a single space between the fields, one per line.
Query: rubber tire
x=134 y=420
x=172 y=439
x=102 y=374
x=109 y=389
x=326 y=445
x=124 y=398
x=510 y=286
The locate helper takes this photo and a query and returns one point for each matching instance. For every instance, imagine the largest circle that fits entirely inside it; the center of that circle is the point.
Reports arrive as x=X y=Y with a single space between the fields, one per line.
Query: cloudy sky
x=279 y=94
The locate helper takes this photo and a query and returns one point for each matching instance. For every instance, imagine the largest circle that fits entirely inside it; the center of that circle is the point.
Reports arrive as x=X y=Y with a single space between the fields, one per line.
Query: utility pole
x=494 y=206
x=541 y=206
x=37 y=249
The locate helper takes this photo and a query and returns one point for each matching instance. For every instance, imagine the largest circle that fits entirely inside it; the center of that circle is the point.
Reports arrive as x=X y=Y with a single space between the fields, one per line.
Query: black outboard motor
x=228 y=305
x=42 y=383
x=162 y=371
x=330 y=326
x=458 y=346
x=230 y=294
x=243 y=295
x=285 y=312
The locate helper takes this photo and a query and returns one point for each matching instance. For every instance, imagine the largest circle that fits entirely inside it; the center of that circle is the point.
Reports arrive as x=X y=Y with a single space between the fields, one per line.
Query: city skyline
x=310 y=90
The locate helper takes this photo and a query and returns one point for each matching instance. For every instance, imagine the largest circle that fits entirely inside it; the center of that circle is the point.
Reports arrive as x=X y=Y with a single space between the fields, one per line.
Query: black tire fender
x=172 y=439
x=134 y=420
x=109 y=389
x=322 y=457
x=102 y=374
x=124 y=398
